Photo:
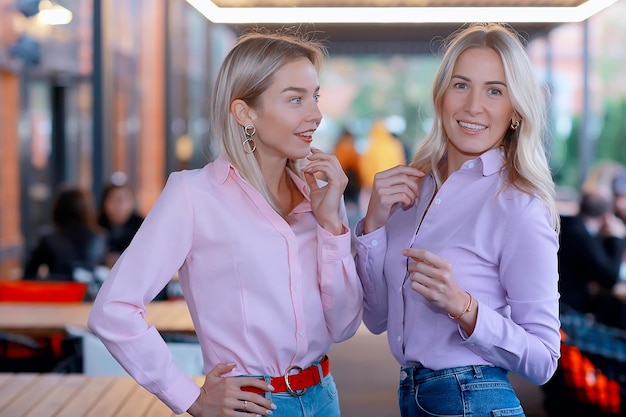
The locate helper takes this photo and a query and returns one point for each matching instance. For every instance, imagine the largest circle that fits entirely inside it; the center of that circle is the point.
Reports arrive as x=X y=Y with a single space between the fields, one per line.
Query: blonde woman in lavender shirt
x=458 y=251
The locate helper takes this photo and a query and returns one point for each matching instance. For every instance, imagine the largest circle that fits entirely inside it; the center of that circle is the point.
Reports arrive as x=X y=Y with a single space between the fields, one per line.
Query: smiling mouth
x=308 y=135
x=472 y=126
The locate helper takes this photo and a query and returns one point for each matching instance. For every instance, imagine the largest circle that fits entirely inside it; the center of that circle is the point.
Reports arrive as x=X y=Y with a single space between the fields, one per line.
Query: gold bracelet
x=467 y=309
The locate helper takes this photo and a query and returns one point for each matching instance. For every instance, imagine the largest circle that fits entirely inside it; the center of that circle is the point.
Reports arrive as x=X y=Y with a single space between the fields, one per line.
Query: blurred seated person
x=118 y=215
x=590 y=254
x=73 y=246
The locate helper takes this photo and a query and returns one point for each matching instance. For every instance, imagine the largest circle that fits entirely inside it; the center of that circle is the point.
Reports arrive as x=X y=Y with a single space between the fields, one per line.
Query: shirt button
x=471 y=165
x=302 y=334
x=296 y=287
x=374 y=242
x=437 y=201
x=399 y=339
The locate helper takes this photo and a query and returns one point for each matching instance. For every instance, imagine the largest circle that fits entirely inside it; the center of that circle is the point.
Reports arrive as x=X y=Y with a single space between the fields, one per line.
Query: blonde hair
x=524 y=148
x=247 y=71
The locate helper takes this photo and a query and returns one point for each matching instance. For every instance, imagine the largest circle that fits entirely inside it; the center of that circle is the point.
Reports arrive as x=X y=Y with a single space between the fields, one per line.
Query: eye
x=296 y=100
x=495 y=92
x=460 y=85
x=316 y=97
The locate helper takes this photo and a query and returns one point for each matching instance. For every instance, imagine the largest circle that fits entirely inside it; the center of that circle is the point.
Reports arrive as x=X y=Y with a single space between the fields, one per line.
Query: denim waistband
x=418 y=371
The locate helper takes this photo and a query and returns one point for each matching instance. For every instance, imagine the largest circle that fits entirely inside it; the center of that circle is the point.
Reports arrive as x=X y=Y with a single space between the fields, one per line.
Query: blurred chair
x=95 y=359
x=20 y=353
x=42 y=291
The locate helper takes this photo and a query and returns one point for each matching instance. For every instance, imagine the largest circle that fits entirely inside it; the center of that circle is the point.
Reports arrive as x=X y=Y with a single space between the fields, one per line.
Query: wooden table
x=49 y=318
x=75 y=395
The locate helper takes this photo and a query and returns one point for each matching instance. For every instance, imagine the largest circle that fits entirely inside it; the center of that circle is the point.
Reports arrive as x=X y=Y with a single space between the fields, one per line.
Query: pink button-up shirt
x=264 y=293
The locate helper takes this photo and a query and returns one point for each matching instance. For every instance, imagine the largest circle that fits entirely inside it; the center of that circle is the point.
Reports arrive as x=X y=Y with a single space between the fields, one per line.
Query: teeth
x=309 y=134
x=472 y=126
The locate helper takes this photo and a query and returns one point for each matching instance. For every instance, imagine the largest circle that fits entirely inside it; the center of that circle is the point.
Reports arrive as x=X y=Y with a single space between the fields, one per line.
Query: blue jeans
x=477 y=391
x=320 y=400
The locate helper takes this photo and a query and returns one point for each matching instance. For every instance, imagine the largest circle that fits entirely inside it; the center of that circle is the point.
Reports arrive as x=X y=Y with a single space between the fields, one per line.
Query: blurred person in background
x=349 y=158
x=590 y=254
x=119 y=216
x=73 y=246
x=383 y=151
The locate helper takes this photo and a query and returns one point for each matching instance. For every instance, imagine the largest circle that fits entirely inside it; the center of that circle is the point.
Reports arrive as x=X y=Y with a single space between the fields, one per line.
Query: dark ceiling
x=355 y=39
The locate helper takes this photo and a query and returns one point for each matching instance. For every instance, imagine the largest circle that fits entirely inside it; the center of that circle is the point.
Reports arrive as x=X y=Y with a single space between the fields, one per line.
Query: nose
x=316 y=115
x=474 y=102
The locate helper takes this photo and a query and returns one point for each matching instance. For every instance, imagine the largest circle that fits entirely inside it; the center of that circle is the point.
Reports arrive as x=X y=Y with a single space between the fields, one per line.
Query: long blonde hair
x=524 y=148
x=247 y=71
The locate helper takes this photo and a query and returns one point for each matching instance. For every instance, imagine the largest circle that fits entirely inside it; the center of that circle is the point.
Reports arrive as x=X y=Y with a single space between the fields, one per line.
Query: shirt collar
x=223 y=168
x=492 y=161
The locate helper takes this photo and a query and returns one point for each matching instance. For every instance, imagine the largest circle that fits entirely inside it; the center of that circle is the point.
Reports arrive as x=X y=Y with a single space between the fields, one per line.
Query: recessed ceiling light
x=242 y=15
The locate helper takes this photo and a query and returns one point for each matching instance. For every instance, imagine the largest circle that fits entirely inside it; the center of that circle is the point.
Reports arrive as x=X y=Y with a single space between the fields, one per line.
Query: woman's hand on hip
x=223 y=396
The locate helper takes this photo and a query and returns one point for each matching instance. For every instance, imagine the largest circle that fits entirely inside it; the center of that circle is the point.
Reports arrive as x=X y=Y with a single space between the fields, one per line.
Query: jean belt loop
x=319 y=370
x=478 y=371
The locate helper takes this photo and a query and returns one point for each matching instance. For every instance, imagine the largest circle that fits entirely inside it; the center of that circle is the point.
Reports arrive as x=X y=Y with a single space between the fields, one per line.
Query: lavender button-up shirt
x=504 y=252
x=263 y=293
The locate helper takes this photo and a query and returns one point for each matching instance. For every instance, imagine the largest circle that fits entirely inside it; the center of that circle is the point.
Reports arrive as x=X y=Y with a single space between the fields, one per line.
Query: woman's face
x=119 y=205
x=477 y=109
x=288 y=113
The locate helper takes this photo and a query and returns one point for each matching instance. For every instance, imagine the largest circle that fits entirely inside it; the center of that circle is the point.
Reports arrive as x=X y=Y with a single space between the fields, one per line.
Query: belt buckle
x=286 y=378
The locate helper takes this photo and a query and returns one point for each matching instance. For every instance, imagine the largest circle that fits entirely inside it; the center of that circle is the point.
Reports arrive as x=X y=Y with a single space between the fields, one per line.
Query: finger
x=401 y=170
x=311 y=180
x=402 y=182
x=249 y=384
x=221 y=369
x=424 y=256
x=255 y=403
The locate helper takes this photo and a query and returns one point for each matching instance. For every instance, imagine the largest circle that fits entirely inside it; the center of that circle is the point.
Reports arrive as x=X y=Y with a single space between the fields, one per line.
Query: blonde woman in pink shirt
x=261 y=246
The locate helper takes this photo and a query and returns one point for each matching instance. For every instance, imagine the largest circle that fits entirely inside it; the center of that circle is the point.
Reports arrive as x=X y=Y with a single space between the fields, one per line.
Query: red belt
x=296 y=384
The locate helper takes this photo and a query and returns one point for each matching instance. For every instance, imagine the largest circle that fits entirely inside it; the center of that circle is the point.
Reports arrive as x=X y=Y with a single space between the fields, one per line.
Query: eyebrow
x=488 y=82
x=299 y=90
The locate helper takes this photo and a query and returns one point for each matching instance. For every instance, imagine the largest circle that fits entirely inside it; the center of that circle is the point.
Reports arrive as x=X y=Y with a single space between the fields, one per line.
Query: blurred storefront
x=120 y=86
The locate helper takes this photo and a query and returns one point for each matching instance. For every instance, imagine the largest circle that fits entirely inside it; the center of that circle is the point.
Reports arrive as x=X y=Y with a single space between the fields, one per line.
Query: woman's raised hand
x=325 y=200
x=397 y=185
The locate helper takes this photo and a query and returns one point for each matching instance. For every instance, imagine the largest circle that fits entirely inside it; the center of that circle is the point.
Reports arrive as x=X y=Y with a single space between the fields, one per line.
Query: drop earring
x=248 y=144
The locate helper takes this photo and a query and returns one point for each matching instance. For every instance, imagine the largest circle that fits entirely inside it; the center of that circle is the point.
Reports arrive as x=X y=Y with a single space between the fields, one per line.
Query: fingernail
x=273 y=407
x=270 y=388
x=269 y=412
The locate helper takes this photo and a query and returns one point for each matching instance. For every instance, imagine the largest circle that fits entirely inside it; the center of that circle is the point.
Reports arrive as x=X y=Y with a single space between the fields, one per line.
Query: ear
x=242 y=113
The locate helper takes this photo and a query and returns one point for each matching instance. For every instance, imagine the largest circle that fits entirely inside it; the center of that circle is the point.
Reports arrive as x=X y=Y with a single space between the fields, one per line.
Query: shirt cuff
x=180 y=396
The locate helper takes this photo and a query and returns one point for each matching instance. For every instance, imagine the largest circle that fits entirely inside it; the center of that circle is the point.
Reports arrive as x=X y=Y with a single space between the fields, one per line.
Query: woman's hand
x=221 y=396
x=432 y=277
x=397 y=185
x=325 y=200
